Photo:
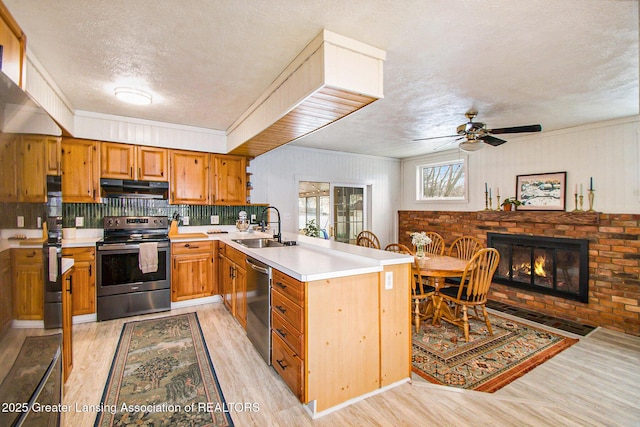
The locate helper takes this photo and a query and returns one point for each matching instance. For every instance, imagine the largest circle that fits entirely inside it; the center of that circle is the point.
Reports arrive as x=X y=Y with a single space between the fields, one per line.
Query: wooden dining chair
x=436 y=247
x=398 y=248
x=465 y=247
x=422 y=296
x=369 y=235
x=367 y=243
x=472 y=292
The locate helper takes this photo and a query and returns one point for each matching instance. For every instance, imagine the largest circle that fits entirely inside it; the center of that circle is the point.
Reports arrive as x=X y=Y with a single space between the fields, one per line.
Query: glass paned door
x=348 y=212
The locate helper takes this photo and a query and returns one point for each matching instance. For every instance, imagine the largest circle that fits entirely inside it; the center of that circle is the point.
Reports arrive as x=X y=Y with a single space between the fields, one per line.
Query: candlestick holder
x=486 y=200
x=590 y=197
x=497 y=203
x=575 y=202
x=490 y=204
x=580 y=199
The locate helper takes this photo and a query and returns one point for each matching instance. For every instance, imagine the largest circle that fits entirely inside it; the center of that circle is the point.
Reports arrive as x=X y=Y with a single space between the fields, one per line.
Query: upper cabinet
x=9 y=169
x=189 y=177
x=80 y=170
x=125 y=161
x=32 y=173
x=53 y=155
x=13 y=42
x=230 y=179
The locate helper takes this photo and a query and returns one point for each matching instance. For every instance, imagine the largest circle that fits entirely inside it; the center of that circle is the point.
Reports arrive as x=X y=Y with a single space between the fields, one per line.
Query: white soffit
x=332 y=77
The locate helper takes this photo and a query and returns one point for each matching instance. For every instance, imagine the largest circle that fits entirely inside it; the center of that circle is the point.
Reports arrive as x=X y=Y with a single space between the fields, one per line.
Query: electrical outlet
x=185 y=220
x=39 y=222
x=79 y=221
x=253 y=218
x=215 y=219
x=20 y=221
x=388 y=280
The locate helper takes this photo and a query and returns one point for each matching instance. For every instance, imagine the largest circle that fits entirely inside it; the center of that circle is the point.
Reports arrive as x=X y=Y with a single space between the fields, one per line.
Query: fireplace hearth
x=548 y=265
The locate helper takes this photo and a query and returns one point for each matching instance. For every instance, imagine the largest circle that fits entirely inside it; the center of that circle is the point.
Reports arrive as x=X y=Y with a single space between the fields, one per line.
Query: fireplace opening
x=548 y=265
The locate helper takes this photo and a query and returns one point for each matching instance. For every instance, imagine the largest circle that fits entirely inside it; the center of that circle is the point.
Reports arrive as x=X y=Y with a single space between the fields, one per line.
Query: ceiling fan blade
x=517 y=129
x=492 y=140
x=436 y=137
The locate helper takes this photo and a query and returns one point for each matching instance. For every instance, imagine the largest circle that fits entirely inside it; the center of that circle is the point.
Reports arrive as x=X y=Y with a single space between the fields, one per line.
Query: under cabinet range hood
x=124 y=188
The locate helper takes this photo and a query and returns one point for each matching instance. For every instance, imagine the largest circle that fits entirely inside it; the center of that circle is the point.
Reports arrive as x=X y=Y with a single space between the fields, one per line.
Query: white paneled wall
x=276 y=175
x=607 y=151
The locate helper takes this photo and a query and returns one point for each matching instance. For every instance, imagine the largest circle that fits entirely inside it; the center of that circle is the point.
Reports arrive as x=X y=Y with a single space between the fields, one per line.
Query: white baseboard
x=27 y=324
x=196 y=301
x=85 y=318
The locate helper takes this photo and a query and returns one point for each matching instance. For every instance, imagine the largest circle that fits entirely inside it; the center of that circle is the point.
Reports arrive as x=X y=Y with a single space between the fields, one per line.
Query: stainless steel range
x=133 y=260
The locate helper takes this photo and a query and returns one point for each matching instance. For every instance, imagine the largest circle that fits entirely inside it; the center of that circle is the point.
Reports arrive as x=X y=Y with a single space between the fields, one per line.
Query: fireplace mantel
x=576 y=218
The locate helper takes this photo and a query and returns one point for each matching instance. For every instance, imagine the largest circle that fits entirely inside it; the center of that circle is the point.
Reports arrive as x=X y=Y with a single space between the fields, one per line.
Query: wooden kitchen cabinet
x=6 y=312
x=9 y=169
x=13 y=42
x=234 y=283
x=230 y=179
x=287 y=330
x=80 y=171
x=28 y=284
x=189 y=177
x=53 y=155
x=32 y=169
x=84 y=279
x=192 y=271
x=126 y=161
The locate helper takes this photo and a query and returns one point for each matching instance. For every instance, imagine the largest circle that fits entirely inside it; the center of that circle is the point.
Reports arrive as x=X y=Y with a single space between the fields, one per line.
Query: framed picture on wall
x=542 y=192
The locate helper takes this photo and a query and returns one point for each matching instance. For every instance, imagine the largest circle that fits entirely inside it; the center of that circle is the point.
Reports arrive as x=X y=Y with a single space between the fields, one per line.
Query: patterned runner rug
x=485 y=363
x=162 y=375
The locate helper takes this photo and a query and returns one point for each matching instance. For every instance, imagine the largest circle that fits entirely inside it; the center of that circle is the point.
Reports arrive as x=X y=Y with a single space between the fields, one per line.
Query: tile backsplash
x=93 y=213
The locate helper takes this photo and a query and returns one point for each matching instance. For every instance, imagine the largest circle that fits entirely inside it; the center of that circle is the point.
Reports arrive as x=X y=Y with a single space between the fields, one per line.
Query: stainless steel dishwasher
x=259 y=307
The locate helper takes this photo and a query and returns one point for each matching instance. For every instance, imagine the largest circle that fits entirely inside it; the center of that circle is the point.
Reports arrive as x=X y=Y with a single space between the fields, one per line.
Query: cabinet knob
x=281 y=309
x=283 y=366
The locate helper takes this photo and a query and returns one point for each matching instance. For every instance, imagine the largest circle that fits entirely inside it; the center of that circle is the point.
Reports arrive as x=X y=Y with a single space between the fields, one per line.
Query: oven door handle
x=120 y=246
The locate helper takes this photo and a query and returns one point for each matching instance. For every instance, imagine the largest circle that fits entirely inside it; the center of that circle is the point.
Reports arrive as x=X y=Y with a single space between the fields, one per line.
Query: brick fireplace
x=613 y=259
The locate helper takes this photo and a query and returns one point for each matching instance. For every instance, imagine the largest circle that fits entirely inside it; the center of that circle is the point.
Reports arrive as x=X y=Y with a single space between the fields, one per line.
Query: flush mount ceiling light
x=133 y=96
x=470 y=145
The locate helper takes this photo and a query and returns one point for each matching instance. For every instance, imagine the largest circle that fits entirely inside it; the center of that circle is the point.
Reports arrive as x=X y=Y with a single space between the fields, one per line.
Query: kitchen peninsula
x=340 y=317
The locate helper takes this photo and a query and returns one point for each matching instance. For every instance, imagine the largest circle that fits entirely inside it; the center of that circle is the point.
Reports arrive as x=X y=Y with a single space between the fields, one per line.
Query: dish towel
x=53 y=263
x=148 y=257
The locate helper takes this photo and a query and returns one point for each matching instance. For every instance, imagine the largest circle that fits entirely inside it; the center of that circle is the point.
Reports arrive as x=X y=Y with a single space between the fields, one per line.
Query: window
x=441 y=181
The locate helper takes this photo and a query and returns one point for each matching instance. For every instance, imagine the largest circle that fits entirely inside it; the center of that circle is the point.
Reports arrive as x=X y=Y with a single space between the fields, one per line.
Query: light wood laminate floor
x=596 y=382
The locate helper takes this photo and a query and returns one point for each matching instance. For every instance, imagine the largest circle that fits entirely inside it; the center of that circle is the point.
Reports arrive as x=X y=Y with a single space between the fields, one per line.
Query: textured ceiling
x=560 y=63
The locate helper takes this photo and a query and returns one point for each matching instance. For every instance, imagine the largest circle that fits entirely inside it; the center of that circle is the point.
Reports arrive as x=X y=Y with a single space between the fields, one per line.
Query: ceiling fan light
x=133 y=96
x=469 y=146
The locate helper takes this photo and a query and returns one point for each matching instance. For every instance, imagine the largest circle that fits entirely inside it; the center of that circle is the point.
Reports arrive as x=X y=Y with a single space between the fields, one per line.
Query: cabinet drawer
x=292 y=288
x=287 y=364
x=236 y=256
x=289 y=311
x=293 y=338
x=202 y=246
x=27 y=256
x=80 y=254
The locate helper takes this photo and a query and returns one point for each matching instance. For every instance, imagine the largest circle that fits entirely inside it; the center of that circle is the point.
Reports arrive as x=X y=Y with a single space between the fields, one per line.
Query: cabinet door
x=9 y=169
x=53 y=155
x=116 y=160
x=191 y=276
x=226 y=282
x=240 y=284
x=13 y=43
x=28 y=285
x=32 y=173
x=6 y=312
x=79 y=171
x=84 y=280
x=152 y=163
x=189 y=181
x=230 y=177
x=68 y=288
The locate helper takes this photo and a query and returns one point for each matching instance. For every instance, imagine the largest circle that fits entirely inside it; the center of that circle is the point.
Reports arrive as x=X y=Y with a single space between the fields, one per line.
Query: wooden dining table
x=438 y=268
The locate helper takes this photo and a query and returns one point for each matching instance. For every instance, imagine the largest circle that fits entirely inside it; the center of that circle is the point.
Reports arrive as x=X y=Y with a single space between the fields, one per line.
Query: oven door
x=118 y=270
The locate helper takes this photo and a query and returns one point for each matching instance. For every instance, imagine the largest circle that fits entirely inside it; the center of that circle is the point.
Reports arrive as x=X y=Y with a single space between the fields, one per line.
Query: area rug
x=485 y=363
x=162 y=375
x=25 y=374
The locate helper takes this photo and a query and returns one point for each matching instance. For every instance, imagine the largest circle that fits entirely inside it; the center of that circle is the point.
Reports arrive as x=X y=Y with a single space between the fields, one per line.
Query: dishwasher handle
x=256 y=267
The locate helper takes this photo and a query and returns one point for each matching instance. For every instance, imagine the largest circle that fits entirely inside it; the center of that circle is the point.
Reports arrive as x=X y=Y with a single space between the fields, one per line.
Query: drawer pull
x=281 y=309
x=32 y=255
x=281 y=332
x=282 y=365
x=281 y=285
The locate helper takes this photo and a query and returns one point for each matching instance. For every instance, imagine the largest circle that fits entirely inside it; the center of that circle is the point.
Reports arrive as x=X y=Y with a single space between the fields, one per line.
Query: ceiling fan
x=475 y=133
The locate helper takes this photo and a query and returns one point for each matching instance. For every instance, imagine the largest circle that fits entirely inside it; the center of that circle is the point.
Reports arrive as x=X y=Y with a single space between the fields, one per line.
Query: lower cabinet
x=28 y=284
x=233 y=279
x=6 y=298
x=192 y=270
x=84 y=279
x=287 y=330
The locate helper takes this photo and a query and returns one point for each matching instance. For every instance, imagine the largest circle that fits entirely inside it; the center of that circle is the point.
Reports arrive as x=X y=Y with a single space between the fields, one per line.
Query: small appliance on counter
x=242 y=223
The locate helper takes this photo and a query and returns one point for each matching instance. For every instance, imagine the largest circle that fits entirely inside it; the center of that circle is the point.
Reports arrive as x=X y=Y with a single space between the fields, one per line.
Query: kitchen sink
x=263 y=243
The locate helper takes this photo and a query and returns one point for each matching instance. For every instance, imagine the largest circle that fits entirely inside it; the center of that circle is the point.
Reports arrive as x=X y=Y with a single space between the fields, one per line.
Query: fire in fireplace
x=548 y=265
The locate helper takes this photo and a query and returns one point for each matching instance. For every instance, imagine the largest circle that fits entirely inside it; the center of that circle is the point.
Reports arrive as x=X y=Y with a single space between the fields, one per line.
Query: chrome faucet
x=277 y=236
